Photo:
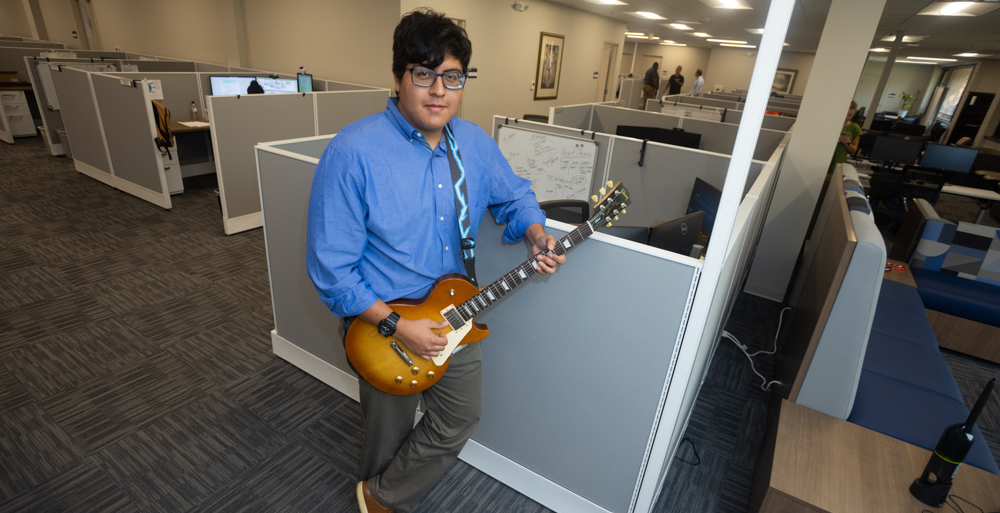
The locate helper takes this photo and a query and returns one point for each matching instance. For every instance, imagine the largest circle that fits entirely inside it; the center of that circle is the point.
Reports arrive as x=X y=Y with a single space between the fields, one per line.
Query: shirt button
x=439 y=186
x=446 y=248
x=442 y=218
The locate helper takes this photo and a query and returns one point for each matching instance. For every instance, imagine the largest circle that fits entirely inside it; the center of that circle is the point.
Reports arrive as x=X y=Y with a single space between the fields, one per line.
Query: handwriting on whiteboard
x=558 y=167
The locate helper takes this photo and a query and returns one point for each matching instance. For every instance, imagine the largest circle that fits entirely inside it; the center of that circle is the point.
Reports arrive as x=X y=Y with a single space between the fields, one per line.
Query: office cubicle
x=13 y=58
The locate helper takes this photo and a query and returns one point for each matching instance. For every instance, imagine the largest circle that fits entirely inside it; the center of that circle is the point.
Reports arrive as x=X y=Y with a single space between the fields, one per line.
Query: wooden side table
x=902 y=276
x=824 y=464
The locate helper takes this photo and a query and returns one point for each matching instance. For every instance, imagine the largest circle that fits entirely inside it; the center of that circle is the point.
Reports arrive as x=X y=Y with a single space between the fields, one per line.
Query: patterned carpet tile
x=47 y=318
x=71 y=247
x=463 y=488
x=13 y=393
x=83 y=489
x=14 y=258
x=143 y=290
x=64 y=361
x=230 y=351
x=31 y=285
x=185 y=316
x=42 y=233
x=32 y=450
x=292 y=480
x=103 y=411
x=750 y=435
x=690 y=488
x=337 y=438
x=252 y=286
x=188 y=245
x=736 y=491
x=717 y=421
x=228 y=263
x=98 y=268
x=180 y=459
x=287 y=397
x=12 y=214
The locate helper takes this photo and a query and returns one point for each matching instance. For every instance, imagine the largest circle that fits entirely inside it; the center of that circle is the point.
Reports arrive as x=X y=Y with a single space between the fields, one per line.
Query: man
x=651 y=82
x=384 y=224
x=675 y=82
x=699 y=84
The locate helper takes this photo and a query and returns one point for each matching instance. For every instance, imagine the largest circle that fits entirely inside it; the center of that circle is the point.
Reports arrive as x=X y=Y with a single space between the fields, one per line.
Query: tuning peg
x=602 y=190
x=623 y=211
x=610 y=183
x=594 y=198
x=616 y=218
x=608 y=225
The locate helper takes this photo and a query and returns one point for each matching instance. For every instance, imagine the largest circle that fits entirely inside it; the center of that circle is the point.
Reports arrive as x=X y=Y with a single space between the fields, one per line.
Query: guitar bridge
x=395 y=347
x=451 y=315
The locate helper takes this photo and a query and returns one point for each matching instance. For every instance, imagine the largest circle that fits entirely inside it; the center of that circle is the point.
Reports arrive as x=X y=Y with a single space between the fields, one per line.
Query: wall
x=184 y=29
x=733 y=67
x=987 y=80
x=505 y=50
x=340 y=40
x=13 y=20
x=689 y=58
x=913 y=78
x=60 y=22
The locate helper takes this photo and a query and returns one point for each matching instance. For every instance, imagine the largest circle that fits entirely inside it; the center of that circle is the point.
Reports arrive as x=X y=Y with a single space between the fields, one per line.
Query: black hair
x=426 y=37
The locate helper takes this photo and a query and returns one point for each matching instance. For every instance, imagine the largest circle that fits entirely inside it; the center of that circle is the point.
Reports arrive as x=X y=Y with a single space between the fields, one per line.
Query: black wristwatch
x=388 y=325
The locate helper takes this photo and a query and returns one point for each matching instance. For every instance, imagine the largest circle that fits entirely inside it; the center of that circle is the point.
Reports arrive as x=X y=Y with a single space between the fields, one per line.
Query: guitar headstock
x=607 y=208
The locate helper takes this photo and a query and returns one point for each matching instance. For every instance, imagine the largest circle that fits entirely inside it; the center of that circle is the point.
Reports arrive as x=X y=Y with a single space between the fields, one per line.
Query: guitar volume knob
x=430 y=375
x=415 y=371
x=413 y=384
x=399 y=380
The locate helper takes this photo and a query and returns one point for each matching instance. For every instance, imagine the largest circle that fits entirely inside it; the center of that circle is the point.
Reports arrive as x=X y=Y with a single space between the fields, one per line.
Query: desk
x=984 y=196
x=825 y=464
x=194 y=148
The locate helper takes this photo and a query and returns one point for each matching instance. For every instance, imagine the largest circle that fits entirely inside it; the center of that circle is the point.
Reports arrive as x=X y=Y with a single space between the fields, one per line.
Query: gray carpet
x=136 y=372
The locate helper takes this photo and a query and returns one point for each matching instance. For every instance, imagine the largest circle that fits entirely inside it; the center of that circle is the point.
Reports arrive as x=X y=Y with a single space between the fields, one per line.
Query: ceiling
x=946 y=35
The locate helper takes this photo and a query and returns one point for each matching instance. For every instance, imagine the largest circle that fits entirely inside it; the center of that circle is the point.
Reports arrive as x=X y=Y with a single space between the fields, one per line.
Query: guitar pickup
x=451 y=315
x=401 y=354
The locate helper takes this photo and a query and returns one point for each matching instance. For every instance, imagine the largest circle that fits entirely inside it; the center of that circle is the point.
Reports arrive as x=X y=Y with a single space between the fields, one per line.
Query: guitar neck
x=520 y=274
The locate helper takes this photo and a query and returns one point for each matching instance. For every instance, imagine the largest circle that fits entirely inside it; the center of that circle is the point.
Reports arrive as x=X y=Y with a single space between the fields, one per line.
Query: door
x=605 y=73
x=971 y=117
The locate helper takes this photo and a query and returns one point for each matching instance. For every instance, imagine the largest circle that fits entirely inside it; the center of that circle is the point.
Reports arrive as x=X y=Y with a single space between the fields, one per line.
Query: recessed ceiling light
x=959 y=8
x=879 y=50
x=702 y=34
x=756 y=31
x=676 y=44
x=729 y=41
x=971 y=54
x=647 y=15
x=785 y=44
x=680 y=26
x=906 y=39
x=932 y=59
x=637 y=37
x=727 y=4
x=635 y=33
x=666 y=42
x=607 y=2
x=954 y=8
x=738 y=46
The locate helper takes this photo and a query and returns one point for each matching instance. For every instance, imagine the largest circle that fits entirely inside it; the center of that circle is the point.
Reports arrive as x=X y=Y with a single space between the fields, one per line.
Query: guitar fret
x=503 y=282
x=489 y=294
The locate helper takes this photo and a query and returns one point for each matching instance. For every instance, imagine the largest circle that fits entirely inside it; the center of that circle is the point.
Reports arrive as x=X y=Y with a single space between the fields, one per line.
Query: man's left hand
x=547 y=260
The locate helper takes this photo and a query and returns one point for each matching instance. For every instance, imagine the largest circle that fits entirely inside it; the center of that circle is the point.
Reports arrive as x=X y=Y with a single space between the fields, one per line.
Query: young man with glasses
x=393 y=197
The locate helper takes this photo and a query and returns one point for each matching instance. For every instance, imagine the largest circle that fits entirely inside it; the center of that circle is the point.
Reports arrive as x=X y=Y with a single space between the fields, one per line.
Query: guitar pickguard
x=455 y=336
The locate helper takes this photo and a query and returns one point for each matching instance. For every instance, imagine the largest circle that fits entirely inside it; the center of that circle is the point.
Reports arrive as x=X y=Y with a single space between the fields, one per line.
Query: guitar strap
x=461 y=205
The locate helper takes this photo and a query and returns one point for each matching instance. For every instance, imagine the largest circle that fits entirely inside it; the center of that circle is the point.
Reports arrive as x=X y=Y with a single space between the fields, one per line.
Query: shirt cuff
x=515 y=229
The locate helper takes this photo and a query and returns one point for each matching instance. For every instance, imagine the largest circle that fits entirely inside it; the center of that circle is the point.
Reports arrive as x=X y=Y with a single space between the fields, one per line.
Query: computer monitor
x=638 y=234
x=637 y=132
x=897 y=151
x=675 y=137
x=305 y=82
x=677 y=235
x=225 y=86
x=949 y=158
x=278 y=85
x=909 y=129
x=706 y=198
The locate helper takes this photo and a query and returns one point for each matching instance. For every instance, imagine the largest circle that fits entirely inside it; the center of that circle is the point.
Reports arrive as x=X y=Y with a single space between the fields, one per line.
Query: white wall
x=60 y=22
x=183 y=29
x=13 y=20
x=915 y=79
x=505 y=50
x=732 y=68
x=689 y=58
x=338 y=40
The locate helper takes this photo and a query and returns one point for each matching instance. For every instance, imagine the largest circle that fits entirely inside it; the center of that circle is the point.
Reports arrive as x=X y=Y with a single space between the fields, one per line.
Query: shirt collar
x=404 y=126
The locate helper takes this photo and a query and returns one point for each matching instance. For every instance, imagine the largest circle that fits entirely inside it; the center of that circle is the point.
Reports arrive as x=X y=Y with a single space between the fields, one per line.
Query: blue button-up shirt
x=382 y=219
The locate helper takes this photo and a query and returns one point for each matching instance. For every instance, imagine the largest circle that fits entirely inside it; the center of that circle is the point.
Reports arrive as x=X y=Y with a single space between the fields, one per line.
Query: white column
x=890 y=60
x=841 y=55
x=234 y=30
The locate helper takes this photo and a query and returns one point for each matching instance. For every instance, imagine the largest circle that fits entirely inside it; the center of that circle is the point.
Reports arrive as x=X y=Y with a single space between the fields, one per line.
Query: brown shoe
x=367 y=503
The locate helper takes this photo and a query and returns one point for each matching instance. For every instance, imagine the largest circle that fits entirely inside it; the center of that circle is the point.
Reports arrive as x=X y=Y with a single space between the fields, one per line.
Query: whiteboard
x=559 y=167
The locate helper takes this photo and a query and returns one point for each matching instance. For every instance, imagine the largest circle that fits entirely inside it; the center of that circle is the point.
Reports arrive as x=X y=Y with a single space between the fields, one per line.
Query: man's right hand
x=417 y=336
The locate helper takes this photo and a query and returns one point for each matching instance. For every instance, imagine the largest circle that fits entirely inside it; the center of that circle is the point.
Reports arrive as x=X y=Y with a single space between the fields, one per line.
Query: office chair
x=536 y=117
x=886 y=198
x=573 y=212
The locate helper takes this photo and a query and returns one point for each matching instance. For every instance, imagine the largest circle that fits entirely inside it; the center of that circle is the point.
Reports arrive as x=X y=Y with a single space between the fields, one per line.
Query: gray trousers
x=402 y=462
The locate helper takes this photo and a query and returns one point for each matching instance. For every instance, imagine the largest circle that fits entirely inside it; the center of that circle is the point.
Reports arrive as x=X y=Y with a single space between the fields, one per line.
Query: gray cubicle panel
x=127 y=117
x=205 y=67
x=337 y=109
x=13 y=58
x=179 y=90
x=572 y=116
x=770 y=122
x=11 y=38
x=332 y=85
x=721 y=137
x=606 y=119
x=604 y=146
x=534 y=423
x=162 y=66
x=83 y=124
x=240 y=122
x=695 y=100
x=34 y=44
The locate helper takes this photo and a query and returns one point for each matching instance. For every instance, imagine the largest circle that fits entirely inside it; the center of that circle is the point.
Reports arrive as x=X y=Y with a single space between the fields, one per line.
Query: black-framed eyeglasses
x=424 y=77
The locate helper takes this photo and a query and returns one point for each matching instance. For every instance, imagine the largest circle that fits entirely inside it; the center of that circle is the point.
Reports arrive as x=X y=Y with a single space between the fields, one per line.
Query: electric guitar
x=392 y=368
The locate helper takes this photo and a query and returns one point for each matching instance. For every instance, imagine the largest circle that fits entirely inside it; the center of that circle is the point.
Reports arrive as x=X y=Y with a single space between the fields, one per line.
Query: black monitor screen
x=637 y=132
x=677 y=235
x=706 y=198
x=898 y=151
x=949 y=158
x=633 y=233
x=661 y=135
x=305 y=83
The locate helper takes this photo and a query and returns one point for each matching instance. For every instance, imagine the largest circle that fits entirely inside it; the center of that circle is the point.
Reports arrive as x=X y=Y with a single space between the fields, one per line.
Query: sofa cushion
x=914 y=415
x=910 y=363
x=960 y=297
x=902 y=323
x=901 y=295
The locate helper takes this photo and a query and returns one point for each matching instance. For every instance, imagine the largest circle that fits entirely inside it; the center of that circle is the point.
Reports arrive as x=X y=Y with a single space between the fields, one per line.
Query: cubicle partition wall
x=178 y=89
x=240 y=122
x=82 y=122
x=13 y=58
x=734 y=116
x=161 y=66
x=607 y=119
x=49 y=46
x=573 y=116
x=40 y=75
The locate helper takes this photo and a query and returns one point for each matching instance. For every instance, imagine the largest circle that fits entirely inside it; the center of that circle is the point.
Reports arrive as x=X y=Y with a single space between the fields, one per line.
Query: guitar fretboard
x=493 y=292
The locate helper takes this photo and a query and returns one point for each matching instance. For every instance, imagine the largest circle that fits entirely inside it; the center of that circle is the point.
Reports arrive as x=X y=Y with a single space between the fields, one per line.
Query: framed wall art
x=550 y=52
x=784 y=79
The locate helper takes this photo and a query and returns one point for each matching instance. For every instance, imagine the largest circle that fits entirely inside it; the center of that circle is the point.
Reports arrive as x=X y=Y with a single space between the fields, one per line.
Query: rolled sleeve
x=336 y=235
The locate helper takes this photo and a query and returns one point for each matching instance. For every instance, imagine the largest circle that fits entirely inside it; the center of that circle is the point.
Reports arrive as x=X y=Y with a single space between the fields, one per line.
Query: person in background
x=651 y=82
x=675 y=82
x=255 y=88
x=699 y=84
x=847 y=144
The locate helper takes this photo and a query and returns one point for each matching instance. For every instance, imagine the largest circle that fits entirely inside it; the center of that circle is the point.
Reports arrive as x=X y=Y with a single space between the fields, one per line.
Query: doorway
x=606 y=73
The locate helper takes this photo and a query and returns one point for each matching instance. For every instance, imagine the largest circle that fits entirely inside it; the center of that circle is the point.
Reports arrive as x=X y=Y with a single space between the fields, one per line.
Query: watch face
x=383 y=329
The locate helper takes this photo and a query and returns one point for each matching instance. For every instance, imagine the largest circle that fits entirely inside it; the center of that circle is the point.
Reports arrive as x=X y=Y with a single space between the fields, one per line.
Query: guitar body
x=379 y=363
